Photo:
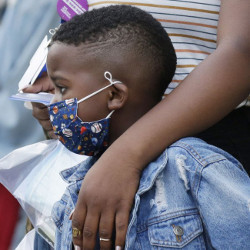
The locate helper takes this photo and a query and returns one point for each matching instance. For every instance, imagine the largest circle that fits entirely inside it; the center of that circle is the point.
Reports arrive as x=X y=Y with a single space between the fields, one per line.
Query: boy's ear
x=118 y=96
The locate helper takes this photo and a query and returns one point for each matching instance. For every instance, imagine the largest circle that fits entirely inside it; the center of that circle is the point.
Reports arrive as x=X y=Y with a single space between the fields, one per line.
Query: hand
x=40 y=111
x=104 y=203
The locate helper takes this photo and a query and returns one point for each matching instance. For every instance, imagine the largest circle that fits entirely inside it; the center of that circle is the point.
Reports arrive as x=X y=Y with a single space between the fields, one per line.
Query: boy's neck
x=121 y=120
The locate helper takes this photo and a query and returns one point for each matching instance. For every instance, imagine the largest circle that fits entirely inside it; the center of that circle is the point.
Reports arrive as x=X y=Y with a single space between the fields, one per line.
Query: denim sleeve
x=222 y=193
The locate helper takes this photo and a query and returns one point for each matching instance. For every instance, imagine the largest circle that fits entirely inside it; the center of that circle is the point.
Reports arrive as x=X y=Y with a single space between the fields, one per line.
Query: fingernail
x=77 y=247
x=118 y=248
x=71 y=214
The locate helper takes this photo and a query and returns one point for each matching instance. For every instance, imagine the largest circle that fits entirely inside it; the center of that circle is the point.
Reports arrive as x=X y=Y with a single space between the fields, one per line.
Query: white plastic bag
x=31 y=174
x=27 y=242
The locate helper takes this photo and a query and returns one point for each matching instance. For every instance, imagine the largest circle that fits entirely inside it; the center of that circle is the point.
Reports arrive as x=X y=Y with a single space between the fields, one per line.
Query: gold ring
x=76 y=232
x=103 y=239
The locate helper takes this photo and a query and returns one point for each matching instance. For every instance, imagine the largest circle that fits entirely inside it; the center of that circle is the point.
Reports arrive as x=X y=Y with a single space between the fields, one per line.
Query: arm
x=210 y=92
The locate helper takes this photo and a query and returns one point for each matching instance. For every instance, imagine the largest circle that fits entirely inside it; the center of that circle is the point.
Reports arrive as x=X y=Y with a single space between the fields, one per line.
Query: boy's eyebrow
x=54 y=78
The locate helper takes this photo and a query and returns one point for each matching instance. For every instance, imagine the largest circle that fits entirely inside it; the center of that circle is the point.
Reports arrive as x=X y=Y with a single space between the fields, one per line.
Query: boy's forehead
x=99 y=56
x=83 y=49
x=62 y=50
x=66 y=61
x=75 y=55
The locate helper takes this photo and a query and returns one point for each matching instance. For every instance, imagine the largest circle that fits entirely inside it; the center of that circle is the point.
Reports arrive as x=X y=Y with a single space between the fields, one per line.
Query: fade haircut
x=126 y=28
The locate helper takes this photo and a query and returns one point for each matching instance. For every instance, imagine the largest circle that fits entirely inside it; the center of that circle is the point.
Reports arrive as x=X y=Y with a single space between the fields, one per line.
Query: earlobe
x=118 y=96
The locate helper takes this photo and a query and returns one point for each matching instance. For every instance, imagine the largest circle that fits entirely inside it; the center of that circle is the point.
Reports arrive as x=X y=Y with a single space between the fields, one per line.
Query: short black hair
x=121 y=26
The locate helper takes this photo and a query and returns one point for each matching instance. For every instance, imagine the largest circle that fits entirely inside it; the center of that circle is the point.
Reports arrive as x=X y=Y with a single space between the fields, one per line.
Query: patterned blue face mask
x=88 y=138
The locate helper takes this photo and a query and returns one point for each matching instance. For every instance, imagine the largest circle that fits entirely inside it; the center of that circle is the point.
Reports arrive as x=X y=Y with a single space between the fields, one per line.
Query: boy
x=119 y=59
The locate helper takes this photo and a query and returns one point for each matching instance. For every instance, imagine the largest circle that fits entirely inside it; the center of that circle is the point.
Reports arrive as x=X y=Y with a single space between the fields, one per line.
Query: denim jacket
x=193 y=196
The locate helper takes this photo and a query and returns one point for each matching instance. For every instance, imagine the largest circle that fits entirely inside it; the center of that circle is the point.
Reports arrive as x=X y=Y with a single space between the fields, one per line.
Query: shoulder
x=196 y=158
x=200 y=152
x=190 y=160
x=197 y=162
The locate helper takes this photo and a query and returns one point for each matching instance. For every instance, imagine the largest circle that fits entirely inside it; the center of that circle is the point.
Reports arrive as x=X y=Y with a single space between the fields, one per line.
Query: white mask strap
x=109 y=115
x=108 y=76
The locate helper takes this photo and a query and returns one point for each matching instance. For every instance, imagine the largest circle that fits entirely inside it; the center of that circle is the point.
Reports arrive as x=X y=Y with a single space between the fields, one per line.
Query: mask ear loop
x=109 y=115
x=108 y=76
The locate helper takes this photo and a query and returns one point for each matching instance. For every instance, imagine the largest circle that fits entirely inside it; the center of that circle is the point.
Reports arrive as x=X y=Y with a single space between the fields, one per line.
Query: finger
x=46 y=124
x=106 y=227
x=90 y=230
x=42 y=84
x=78 y=219
x=40 y=111
x=51 y=134
x=39 y=105
x=121 y=225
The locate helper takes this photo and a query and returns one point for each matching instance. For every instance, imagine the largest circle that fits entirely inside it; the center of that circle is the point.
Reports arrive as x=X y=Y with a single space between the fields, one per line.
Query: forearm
x=210 y=92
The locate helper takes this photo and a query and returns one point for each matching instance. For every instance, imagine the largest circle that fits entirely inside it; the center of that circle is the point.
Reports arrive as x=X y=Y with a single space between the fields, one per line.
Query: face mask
x=88 y=138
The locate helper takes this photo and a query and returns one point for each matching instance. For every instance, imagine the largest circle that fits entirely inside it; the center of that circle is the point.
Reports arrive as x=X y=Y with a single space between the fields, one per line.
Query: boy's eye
x=61 y=89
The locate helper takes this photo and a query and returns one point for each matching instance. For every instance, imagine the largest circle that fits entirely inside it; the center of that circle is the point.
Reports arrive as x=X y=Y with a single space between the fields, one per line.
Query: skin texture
x=223 y=83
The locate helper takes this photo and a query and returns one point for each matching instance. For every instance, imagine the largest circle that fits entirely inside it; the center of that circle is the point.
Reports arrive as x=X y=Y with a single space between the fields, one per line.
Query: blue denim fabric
x=192 y=186
x=40 y=243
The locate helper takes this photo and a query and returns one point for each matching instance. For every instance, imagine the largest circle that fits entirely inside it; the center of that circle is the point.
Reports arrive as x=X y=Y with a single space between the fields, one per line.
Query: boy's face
x=75 y=73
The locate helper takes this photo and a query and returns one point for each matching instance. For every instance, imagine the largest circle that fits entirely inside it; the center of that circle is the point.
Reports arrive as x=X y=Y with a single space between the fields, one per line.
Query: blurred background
x=23 y=25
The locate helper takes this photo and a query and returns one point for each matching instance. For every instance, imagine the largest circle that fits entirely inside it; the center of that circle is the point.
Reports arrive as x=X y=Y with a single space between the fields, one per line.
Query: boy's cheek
x=57 y=97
